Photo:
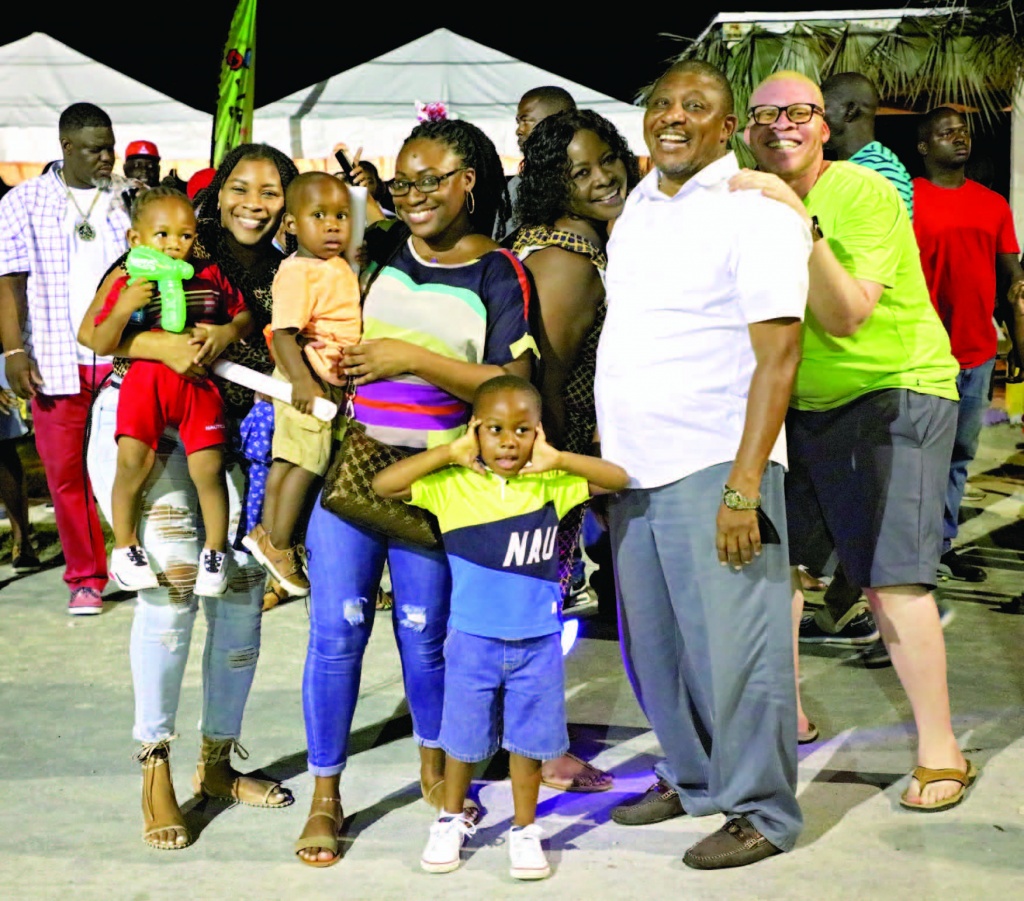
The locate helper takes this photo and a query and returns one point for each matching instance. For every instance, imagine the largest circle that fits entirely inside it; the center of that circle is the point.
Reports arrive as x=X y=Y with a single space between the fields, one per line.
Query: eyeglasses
x=797 y=113
x=399 y=187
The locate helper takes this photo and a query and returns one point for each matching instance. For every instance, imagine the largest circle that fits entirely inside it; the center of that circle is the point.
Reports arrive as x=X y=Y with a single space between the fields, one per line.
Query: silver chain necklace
x=83 y=229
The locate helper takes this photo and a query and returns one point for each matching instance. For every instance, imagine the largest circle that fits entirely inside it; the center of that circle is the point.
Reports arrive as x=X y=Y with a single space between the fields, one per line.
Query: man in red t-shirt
x=967 y=241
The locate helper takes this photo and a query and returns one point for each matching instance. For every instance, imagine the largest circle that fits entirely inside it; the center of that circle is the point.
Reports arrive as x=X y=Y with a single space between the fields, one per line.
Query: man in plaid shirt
x=59 y=233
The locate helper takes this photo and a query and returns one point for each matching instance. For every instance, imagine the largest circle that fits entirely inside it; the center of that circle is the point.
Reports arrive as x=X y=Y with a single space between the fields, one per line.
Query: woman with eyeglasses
x=445 y=311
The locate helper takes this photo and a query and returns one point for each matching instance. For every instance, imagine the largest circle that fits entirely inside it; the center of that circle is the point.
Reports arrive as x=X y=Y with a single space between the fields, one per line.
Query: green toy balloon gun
x=168 y=273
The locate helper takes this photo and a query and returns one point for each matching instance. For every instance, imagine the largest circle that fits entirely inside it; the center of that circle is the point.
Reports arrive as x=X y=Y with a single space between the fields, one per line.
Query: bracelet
x=13 y=351
x=736 y=501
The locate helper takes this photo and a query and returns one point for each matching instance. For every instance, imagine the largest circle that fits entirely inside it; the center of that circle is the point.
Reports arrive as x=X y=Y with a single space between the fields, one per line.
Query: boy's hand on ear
x=465 y=450
x=544 y=456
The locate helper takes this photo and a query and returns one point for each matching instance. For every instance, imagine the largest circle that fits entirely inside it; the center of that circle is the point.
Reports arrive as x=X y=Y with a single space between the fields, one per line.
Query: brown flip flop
x=926 y=776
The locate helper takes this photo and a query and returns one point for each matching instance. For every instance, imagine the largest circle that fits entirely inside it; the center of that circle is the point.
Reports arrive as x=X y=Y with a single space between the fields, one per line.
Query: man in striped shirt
x=851 y=101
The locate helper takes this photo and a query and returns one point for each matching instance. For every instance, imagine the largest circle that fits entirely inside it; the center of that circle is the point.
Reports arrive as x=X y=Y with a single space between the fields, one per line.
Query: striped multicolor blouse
x=475 y=312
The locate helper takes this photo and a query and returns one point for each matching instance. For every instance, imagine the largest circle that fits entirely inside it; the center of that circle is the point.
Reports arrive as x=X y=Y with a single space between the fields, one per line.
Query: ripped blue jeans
x=345 y=563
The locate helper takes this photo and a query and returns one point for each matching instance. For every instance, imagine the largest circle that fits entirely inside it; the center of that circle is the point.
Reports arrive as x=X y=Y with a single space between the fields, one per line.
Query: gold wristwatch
x=736 y=501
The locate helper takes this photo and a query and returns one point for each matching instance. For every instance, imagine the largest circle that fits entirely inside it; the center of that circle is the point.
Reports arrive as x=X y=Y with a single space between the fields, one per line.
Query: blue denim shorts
x=503 y=691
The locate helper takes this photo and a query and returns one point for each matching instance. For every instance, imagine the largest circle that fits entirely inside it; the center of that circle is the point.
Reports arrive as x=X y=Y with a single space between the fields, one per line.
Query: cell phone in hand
x=346 y=166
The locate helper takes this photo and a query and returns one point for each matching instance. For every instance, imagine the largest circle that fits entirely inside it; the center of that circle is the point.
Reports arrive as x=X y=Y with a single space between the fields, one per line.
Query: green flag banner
x=233 y=123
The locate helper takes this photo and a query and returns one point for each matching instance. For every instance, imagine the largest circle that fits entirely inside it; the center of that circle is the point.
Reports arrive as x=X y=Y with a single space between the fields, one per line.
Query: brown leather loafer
x=660 y=802
x=736 y=844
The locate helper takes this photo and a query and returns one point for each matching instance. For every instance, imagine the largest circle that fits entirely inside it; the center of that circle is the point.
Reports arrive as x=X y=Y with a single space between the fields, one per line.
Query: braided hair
x=478 y=153
x=545 y=191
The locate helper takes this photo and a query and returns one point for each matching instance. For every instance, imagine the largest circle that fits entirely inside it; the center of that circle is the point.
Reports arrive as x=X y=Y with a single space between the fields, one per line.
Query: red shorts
x=153 y=397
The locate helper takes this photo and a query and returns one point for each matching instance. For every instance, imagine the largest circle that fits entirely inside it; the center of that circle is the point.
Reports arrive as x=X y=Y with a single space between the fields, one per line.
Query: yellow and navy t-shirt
x=500 y=540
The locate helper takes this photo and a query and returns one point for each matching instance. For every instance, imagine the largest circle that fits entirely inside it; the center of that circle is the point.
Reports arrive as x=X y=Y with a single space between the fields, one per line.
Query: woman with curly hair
x=445 y=312
x=241 y=213
x=576 y=173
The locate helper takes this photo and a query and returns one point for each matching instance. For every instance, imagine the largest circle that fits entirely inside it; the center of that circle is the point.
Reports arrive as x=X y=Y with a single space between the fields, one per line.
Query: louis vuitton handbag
x=348 y=483
x=348 y=489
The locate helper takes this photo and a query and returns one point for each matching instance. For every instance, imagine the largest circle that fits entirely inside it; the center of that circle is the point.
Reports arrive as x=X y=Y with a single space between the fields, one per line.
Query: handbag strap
x=398 y=235
x=525 y=285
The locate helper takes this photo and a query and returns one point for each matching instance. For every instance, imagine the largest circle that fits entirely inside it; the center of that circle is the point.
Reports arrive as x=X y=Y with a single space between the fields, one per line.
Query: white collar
x=712 y=174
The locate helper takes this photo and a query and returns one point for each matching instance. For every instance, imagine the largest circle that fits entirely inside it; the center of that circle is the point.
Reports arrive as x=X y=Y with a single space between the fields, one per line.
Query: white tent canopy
x=373 y=105
x=40 y=77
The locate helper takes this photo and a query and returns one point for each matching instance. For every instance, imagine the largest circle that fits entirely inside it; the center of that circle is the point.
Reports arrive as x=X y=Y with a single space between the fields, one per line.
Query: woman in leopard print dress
x=575 y=177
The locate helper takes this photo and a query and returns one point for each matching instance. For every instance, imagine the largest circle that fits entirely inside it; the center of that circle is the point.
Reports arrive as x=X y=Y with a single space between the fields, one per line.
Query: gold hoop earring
x=470 y=203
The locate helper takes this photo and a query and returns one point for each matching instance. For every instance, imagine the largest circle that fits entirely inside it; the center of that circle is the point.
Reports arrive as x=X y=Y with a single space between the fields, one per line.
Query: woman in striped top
x=446 y=311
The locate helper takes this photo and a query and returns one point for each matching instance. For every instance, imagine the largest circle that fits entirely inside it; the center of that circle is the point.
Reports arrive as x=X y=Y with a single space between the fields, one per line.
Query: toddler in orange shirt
x=315 y=315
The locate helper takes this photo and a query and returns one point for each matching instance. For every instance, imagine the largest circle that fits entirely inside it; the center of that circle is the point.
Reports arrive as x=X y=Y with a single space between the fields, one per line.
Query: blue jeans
x=345 y=563
x=973 y=387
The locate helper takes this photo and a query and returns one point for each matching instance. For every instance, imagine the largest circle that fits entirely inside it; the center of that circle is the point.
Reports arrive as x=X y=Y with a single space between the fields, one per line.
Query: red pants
x=60 y=440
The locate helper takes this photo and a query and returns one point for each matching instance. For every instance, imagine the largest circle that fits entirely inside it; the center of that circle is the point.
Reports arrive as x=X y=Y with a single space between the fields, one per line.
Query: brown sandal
x=156 y=780
x=274 y=595
x=324 y=842
x=925 y=776
x=216 y=778
x=588 y=779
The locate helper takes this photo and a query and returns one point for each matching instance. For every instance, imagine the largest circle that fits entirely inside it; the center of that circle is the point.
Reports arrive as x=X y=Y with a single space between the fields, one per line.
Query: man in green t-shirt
x=873 y=412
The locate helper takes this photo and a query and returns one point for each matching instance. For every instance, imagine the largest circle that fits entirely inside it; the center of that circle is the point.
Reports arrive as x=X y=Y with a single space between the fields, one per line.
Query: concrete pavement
x=70 y=819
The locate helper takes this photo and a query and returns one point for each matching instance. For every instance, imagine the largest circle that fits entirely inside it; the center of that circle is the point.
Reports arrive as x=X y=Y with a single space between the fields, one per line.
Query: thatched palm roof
x=919 y=58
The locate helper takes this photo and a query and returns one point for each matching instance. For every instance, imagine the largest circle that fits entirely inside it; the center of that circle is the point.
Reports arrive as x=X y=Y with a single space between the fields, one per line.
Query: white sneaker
x=212 y=579
x=130 y=568
x=446 y=837
x=526 y=854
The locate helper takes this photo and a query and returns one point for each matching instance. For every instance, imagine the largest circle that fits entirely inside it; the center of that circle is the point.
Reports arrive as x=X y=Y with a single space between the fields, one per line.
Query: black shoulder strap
x=390 y=243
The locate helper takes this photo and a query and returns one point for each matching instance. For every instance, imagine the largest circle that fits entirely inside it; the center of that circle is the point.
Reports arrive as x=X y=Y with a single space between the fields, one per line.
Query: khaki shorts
x=300 y=438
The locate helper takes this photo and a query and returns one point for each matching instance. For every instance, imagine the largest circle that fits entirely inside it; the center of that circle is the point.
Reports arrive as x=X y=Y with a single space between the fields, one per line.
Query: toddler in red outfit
x=153 y=396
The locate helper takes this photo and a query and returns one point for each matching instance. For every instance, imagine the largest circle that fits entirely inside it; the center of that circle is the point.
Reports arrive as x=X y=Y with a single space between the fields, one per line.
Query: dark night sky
x=613 y=52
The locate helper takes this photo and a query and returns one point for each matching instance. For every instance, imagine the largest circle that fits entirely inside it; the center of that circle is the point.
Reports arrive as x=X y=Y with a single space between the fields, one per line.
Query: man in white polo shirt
x=706 y=293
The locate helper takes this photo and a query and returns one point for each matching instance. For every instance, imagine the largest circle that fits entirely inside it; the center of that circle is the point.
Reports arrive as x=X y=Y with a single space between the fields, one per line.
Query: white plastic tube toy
x=266 y=384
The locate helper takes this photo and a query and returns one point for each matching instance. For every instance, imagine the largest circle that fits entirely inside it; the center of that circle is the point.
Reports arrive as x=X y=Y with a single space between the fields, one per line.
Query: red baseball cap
x=198 y=181
x=142 y=148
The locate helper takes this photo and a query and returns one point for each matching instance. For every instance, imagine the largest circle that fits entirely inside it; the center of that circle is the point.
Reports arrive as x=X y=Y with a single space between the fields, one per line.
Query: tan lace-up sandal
x=160 y=811
x=216 y=778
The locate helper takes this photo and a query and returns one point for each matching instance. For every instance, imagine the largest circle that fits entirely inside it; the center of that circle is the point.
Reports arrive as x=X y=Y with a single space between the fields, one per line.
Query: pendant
x=85 y=231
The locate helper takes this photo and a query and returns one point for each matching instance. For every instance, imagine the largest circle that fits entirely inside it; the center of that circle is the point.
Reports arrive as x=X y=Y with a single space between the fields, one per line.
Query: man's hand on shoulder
x=772 y=187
